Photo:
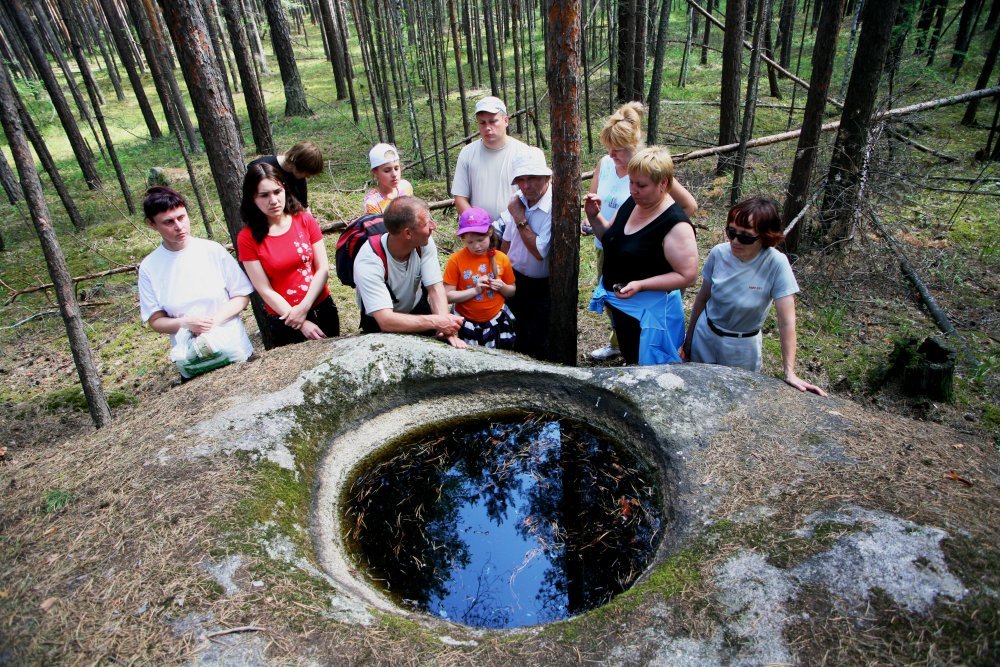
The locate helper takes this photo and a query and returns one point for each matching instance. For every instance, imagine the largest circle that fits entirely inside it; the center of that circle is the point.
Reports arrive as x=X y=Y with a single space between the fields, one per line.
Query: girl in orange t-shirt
x=478 y=280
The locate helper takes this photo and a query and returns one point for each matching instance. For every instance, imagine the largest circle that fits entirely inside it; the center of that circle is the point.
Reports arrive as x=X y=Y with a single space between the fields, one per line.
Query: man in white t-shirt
x=485 y=167
x=398 y=278
x=191 y=283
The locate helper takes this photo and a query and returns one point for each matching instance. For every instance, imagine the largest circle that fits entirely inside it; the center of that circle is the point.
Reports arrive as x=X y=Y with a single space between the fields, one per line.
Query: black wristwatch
x=522 y=224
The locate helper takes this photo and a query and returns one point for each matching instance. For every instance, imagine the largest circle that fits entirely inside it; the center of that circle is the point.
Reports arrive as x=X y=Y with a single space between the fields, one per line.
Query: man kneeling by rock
x=398 y=277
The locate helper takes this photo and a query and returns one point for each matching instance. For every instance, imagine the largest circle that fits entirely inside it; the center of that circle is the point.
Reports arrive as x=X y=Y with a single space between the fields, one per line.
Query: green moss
x=74 y=399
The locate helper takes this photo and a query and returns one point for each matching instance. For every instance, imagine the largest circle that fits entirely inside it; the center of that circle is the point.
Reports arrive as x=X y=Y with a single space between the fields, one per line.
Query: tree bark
x=456 y=47
x=87 y=13
x=336 y=53
x=255 y=43
x=704 y=39
x=124 y=48
x=41 y=64
x=840 y=198
x=92 y=90
x=964 y=36
x=824 y=52
x=639 y=51
x=563 y=77
x=9 y=180
x=786 y=29
x=31 y=186
x=969 y=119
x=295 y=94
x=626 y=43
x=729 y=96
x=656 y=85
x=260 y=124
x=749 y=112
x=940 y=8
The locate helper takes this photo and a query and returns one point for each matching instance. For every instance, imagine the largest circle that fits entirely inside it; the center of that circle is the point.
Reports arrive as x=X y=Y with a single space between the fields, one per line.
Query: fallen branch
x=230 y=631
x=50 y=313
x=940 y=317
x=921 y=147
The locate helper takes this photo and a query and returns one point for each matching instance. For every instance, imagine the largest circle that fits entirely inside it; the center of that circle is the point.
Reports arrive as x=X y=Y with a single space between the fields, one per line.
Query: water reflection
x=515 y=521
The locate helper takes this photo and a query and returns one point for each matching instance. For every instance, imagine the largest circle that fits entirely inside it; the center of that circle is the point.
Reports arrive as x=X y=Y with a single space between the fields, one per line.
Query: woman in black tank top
x=649 y=246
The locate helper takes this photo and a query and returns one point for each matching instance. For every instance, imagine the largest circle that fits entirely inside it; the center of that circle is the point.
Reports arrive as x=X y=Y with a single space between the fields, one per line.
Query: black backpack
x=352 y=238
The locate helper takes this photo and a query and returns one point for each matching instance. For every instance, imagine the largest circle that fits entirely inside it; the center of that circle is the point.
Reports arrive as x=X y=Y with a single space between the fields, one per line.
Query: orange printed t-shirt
x=460 y=269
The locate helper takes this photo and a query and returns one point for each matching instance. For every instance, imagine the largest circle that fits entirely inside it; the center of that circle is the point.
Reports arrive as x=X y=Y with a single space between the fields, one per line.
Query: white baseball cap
x=530 y=162
x=491 y=105
x=382 y=153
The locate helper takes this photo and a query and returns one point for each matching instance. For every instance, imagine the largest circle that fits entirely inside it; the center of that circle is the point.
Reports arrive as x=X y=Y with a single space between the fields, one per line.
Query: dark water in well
x=504 y=523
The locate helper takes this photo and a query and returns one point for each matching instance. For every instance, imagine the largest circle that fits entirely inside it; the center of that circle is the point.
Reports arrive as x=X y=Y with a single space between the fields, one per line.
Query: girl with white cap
x=388 y=174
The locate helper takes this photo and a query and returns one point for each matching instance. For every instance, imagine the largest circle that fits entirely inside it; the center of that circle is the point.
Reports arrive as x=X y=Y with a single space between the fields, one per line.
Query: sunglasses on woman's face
x=742 y=237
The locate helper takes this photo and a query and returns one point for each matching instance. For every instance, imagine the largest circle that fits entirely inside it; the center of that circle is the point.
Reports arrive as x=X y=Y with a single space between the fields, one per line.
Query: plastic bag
x=195 y=355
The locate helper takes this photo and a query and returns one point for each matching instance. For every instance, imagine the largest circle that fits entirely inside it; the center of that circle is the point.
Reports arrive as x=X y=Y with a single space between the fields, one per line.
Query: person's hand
x=793 y=380
x=591 y=205
x=197 y=324
x=296 y=317
x=447 y=325
x=630 y=289
x=495 y=284
x=516 y=209
x=456 y=342
x=311 y=331
x=685 y=350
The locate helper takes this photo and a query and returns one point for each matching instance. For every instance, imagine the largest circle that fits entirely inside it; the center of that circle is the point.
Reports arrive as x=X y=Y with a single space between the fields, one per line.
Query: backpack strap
x=379 y=250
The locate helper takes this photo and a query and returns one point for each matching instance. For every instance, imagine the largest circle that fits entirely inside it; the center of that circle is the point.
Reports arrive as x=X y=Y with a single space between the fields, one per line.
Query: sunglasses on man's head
x=742 y=237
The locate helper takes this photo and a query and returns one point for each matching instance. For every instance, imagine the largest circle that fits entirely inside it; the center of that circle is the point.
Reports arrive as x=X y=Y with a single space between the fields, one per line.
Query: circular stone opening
x=404 y=418
x=516 y=519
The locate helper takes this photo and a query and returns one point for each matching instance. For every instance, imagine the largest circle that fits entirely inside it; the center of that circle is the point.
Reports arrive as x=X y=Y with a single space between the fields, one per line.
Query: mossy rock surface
x=802 y=528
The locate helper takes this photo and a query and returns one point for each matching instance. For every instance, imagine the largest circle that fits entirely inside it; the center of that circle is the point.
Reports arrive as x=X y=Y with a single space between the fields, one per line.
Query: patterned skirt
x=498 y=332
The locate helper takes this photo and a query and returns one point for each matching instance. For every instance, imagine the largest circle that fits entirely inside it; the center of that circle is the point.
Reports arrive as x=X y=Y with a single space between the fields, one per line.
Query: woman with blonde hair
x=650 y=255
x=622 y=137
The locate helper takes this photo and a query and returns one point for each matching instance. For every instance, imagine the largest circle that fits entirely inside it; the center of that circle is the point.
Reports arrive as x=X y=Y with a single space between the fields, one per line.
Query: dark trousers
x=530 y=305
x=627 y=330
x=370 y=325
x=323 y=314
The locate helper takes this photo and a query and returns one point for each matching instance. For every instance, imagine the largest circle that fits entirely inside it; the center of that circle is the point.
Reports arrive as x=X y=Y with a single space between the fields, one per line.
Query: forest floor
x=854 y=304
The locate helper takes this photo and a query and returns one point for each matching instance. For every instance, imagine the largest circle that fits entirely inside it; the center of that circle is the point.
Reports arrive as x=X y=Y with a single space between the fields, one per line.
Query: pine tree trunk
x=360 y=23
x=729 y=95
x=55 y=48
x=840 y=199
x=336 y=54
x=824 y=52
x=42 y=151
x=92 y=90
x=207 y=7
x=786 y=29
x=969 y=119
x=83 y=157
x=749 y=112
x=255 y=43
x=626 y=44
x=123 y=46
x=295 y=94
x=171 y=98
x=442 y=88
x=656 y=85
x=31 y=186
x=639 y=51
x=563 y=78
x=87 y=13
x=260 y=124
x=964 y=36
x=772 y=74
x=453 y=22
x=940 y=8
x=9 y=180
x=710 y=6
x=491 y=49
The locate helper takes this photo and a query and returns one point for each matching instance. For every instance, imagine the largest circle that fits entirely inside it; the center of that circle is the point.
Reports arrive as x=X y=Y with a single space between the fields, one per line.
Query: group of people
x=494 y=290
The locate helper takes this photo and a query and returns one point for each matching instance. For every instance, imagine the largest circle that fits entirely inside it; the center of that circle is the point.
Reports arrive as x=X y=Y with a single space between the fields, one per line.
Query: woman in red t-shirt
x=283 y=253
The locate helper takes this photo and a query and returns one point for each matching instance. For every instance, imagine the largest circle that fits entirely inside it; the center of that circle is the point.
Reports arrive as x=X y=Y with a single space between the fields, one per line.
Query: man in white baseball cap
x=527 y=236
x=484 y=170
